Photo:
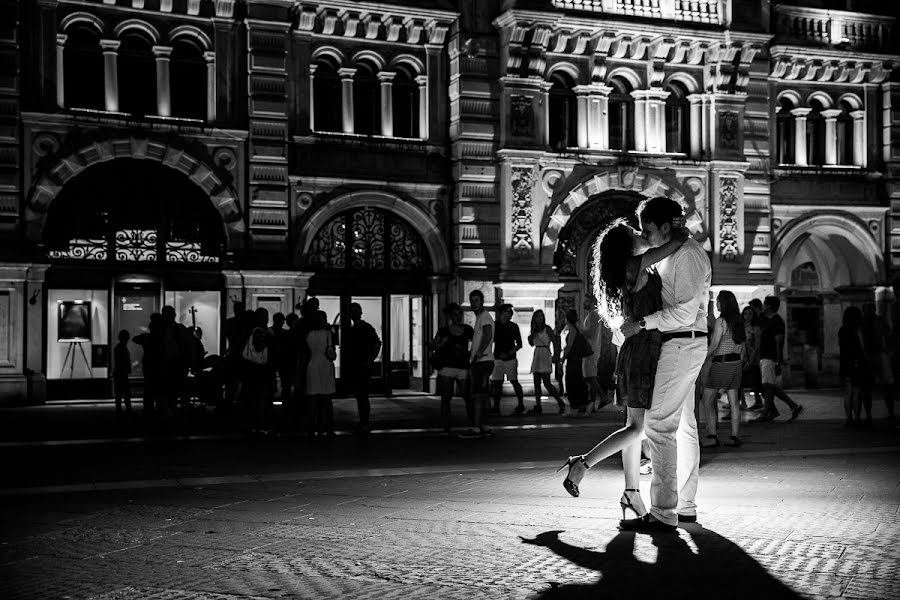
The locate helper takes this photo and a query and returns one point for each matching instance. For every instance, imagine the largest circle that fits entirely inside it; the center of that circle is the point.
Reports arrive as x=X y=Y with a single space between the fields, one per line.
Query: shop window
x=366 y=101
x=784 y=125
x=327 y=98
x=678 y=110
x=137 y=76
x=77 y=333
x=563 y=113
x=84 y=77
x=406 y=105
x=200 y=309
x=187 y=72
x=621 y=116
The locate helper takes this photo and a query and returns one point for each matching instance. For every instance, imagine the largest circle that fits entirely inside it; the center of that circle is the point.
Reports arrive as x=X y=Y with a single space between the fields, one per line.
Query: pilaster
x=593 y=116
x=727 y=221
x=111 y=73
x=800 y=151
x=11 y=168
x=163 y=93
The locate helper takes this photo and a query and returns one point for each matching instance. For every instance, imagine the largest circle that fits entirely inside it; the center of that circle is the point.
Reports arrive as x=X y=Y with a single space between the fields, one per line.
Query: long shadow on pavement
x=696 y=563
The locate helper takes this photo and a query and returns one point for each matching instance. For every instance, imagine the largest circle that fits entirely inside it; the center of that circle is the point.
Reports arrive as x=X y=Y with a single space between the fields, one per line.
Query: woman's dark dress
x=636 y=366
x=854 y=366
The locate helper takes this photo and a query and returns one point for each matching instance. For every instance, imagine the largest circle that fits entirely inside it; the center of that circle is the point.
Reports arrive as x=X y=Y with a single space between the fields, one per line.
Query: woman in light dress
x=541 y=337
x=320 y=385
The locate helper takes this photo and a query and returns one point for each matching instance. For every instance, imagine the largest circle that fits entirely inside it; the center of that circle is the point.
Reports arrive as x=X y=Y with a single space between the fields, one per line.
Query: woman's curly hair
x=612 y=251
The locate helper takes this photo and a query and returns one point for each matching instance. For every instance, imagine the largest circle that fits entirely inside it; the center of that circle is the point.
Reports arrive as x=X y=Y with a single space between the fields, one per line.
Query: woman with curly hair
x=626 y=287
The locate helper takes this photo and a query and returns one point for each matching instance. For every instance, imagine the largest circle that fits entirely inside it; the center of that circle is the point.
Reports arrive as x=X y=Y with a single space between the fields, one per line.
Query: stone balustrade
x=832 y=27
x=694 y=11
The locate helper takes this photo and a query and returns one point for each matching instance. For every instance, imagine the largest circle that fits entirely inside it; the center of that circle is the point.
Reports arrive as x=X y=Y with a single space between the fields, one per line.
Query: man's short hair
x=476 y=294
x=659 y=210
x=355 y=306
x=756 y=303
x=773 y=302
x=452 y=308
x=505 y=308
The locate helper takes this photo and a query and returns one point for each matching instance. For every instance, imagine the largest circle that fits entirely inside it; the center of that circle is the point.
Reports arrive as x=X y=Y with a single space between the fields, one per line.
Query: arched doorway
x=124 y=238
x=373 y=256
x=823 y=262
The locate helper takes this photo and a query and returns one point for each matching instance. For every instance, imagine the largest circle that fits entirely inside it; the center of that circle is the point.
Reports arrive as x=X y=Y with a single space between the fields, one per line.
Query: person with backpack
x=450 y=357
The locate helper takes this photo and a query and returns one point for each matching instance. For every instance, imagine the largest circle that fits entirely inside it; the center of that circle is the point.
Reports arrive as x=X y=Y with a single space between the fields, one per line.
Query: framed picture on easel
x=74 y=321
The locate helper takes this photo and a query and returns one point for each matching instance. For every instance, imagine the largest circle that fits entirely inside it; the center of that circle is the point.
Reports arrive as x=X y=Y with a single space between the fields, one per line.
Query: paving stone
x=873 y=589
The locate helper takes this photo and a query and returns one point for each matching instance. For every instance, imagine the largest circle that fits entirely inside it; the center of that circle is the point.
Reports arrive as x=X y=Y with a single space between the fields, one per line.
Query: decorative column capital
x=61 y=39
x=163 y=52
x=386 y=76
x=209 y=56
x=858 y=115
x=832 y=113
x=660 y=95
x=801 y=113
x=312 y=68
x=593 y=89
x=422 y=80
x=346 y=73
x=110 y=46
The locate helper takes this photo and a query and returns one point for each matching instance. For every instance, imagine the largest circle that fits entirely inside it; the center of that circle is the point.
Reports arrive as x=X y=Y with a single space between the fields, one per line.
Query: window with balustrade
x=327 y=97
x=678 y=110
x=405 y=97
x=621 y=115
x=136 y=75
x=563 y=112
x=366 y=100
x=784 y=132
x=83 y=70
x=187 y=72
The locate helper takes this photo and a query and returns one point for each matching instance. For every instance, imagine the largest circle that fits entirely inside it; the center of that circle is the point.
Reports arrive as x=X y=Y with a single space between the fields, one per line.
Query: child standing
x=122 y=372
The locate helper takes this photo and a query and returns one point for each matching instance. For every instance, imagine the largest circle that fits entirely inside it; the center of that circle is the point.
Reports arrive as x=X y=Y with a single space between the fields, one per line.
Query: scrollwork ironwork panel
x=83 y=249
x=136 y=244
x=187 y=252
x=367 y=239
x=328 y=249
x=407 y=250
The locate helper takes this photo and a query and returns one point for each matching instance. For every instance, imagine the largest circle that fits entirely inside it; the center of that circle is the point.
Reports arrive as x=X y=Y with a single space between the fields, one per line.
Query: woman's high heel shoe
x=631 y=500
x=577 y=468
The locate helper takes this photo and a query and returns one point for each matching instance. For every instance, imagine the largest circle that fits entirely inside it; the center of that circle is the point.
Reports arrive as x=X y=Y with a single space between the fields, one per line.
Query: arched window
x=187 y=75
x=678 y=127
x=406 y=105
x=84 y=78
x=815 y=135
x=843 y=130
x=621 y=115
x=784 y=125
x=137 y=76
x=366 y=101
x=563 y=113
x=327 y=97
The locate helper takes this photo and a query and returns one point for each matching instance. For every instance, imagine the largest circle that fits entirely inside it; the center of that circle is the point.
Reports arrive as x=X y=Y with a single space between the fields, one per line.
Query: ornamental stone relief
x=728 y=221
x=521 y=120
x=523 y=179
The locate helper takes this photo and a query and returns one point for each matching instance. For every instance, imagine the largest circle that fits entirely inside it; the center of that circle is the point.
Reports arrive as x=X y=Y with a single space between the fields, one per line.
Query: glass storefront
x=77 y=334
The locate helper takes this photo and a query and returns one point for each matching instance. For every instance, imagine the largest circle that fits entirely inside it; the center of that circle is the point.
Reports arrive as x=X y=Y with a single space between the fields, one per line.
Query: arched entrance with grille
x=380 y=252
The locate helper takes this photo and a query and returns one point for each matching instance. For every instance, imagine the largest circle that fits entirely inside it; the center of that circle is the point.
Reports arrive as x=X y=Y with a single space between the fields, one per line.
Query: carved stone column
x=800 y=115
x=312 y=96
x=387 y=102
x=424 y=106
x=650 y=120
x=831 y=116
x=60 y=70
x=163 y=93
x=346 y=75
x=110 y=66
x=859 y=138
x=593 y=119
x=640 y=120
x=210 y=58
x=696 y=149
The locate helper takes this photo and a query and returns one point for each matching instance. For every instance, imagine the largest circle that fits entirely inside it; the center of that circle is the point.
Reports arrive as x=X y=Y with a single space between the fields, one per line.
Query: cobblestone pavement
x=776 y=527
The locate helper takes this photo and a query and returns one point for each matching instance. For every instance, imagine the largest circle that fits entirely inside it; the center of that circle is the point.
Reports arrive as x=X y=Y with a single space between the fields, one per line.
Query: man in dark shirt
x=360 y=351
x=771 y=360
x=507 y=341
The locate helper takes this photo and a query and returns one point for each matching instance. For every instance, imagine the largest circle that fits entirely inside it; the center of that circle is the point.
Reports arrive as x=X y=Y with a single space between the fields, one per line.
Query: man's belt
x=681 y=334
x=732 y=357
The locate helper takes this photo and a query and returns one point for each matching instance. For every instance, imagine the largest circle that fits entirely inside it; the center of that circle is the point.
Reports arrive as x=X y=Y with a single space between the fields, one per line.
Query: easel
x=70 y=358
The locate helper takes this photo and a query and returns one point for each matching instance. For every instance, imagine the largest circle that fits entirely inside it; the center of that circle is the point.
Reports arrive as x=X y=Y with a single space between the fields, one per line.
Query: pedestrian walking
x=482 y=362
x=543 y=338
x=771 y=361
x=577 y=348
x=855 y=369
x=722 y=369
x=507 y=342
x=320 y=384
x=362 y=348
x=451 y=348
x=750 y=376
x=122 y=372
x=875 y=333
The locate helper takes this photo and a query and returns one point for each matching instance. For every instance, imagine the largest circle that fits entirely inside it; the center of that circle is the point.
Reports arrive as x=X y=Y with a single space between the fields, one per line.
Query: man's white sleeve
x=690 y=274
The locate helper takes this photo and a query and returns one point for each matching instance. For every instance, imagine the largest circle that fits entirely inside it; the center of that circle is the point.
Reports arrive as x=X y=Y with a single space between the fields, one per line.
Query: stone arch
x=561 y=210
x=136 y=24
x=839 y=244
x=689 y=83
x=566 y=67
x=328 y=52
x=820 y=97
x=791 y=95
x=47 y=188
x=371 y=57
x=423 y=224
x=83 y=17
x=852 y=100
x=410 y=61
x=626 y=73
x=192 y=32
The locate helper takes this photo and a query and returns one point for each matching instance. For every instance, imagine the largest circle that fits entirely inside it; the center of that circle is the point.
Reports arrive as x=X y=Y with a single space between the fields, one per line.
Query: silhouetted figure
x=451 y=347
x=151 y=363
x=320 y=384
x=855 y=369
x=875 y=334
x=771 y=361
x=258 y=378
x=360 y=352
x=577 y=348
x=122 y=372
x=236 y=338
x=542 y=337
x=507 y=342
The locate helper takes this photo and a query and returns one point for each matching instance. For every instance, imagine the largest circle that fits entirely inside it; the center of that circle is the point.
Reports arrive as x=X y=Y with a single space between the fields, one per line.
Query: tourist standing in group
x=258 y=377
x=122 y=372
x=542 y=337
x=750 y=377
x=875 y=334
x=722 y=369
x=481 y=361
x=360 y=352
x=507 y=342
x=320 y=384
x=577 y=348
x=591 y=329
x=450 y=356
x=855 y=369
x=771 y=361
x=151 y=364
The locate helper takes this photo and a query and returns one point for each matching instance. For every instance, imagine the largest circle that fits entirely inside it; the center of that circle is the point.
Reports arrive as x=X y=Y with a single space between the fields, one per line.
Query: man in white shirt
x=670 y=424
x=482 y=363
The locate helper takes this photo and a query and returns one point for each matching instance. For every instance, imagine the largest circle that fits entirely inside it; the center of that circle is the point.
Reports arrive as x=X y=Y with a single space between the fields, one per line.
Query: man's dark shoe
x=770 y=416
x=757 y=407
x=796 y=412
x=645 y=524
x=687 y=518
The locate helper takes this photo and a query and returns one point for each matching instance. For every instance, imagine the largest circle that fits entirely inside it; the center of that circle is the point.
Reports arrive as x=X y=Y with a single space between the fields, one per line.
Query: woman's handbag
x=330 y=354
